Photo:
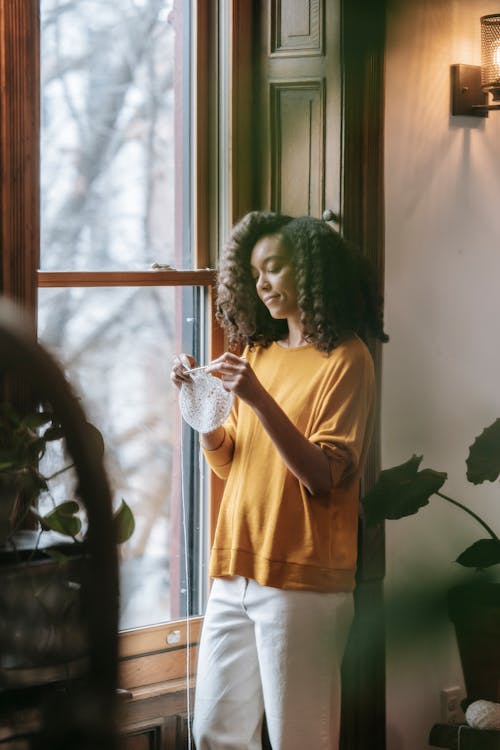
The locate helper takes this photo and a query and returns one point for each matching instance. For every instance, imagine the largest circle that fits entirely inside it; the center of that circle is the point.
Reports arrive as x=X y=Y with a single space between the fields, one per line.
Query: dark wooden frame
x=19 y=150
x=362 y=221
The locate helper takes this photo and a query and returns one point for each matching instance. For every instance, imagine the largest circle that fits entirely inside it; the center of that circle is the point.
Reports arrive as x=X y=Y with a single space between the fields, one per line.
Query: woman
x=284 y=555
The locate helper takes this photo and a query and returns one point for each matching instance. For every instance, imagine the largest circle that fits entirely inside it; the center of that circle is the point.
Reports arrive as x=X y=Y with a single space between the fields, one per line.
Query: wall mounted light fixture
x=472 y=84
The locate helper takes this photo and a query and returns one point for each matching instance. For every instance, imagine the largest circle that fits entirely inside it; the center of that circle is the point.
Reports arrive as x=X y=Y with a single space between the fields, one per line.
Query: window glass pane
x=116 y=345
x=114 y=79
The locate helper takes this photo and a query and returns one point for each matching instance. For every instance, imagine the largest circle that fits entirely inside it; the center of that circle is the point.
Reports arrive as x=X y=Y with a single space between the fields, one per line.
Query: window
x=154 y=661
x=121 y=288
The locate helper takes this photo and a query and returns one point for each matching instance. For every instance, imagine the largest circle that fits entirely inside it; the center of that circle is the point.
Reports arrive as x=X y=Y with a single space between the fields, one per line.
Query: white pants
x=268 y=649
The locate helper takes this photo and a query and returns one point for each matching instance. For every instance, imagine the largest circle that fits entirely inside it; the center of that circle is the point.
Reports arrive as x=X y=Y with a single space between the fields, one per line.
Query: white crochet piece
x=204 y=402
x=483 y=715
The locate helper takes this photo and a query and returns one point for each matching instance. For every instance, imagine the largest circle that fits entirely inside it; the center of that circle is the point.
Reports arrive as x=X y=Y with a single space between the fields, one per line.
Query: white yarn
x=204 y=402
x=483 y=715
x=188 y=607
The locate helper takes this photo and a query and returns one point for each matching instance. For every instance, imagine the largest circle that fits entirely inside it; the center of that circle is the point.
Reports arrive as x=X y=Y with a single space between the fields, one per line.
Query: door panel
x=148 y=739
x=297 y=126
x=300 y=117
x=296 y=26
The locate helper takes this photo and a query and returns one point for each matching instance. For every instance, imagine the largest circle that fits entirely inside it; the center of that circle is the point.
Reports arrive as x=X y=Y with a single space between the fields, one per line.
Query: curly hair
x=337 y=288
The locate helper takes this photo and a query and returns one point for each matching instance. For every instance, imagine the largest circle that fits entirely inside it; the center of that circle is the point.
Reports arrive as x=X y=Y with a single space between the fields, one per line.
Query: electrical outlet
x=451 y=710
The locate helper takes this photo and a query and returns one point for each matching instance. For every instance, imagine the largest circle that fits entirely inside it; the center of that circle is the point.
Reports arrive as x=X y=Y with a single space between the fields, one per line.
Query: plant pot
x=475 y=612
x=42 y=628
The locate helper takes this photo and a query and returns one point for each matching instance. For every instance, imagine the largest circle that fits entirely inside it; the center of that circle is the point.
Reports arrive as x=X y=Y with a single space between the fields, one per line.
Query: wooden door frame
x=362 y=221
x=362 y=47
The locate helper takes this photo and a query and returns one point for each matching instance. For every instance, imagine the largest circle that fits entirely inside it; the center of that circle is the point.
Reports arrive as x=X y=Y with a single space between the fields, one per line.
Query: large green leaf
x=124 y=523
x=483 y=462
x=63 y=519
x=401 y=491
x=481 y=554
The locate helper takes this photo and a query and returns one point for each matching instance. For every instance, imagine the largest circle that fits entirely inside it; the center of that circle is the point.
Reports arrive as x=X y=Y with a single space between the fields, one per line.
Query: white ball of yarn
x=483 y=715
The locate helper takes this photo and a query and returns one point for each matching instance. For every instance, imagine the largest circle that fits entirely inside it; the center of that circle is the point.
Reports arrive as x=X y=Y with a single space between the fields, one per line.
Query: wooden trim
x=243 y=173
x=200 y=277
x=167 y=636
x=362 y=200
x=363 y=25
x=201 y=108
x=19 y=149
x=19 y=165
x=363 y=105
x=142 y=671
x=165 y=687
x=19 y=143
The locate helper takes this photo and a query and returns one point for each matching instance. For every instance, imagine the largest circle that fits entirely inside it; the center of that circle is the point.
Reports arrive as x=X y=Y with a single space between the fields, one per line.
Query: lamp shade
x=490 y=54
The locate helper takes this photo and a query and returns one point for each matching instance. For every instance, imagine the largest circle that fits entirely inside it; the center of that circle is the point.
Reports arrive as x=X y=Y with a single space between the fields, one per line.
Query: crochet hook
x=196 y=369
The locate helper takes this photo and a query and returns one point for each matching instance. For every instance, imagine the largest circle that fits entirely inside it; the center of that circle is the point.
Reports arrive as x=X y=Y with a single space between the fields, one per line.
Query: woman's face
x=274 y=276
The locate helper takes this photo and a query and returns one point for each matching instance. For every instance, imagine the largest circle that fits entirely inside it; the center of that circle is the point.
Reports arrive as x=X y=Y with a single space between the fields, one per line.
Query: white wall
x=441 y=369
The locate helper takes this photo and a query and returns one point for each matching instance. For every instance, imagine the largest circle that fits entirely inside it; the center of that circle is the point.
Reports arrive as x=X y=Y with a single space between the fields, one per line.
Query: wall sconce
x=471 y=84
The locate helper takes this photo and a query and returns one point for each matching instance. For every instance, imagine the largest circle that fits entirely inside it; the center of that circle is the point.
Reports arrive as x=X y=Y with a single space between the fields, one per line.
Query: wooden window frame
x=20 y=277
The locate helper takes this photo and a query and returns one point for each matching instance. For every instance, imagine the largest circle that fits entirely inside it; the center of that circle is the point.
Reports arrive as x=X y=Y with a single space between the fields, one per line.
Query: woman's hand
x=237 y=376
x=181 y=363
x=178 y=376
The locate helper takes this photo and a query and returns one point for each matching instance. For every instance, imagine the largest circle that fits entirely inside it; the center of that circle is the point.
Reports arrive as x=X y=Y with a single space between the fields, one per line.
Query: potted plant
x=42 y=549
x=474 y=606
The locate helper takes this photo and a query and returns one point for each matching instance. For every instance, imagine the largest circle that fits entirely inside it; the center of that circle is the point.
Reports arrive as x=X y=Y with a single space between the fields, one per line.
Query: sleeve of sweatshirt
x=221 y=459
x=344 y=422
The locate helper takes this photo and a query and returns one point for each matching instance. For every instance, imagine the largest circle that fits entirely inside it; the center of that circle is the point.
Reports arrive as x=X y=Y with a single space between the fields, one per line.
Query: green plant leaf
x=481 y=554
x=401 y=491
x=70 y=507
x=63 y=519
x=483 y=462
x=53 y=433
x=124 y=523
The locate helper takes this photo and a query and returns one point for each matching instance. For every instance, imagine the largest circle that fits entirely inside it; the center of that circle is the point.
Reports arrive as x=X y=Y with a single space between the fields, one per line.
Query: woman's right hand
x=181 y=363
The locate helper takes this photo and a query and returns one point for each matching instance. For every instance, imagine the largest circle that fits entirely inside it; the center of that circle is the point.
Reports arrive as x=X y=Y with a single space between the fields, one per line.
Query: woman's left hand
x=237 y=376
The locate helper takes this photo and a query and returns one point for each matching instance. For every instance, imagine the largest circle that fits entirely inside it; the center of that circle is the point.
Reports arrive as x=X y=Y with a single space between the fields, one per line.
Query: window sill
x=157 y=658
x=167 y=687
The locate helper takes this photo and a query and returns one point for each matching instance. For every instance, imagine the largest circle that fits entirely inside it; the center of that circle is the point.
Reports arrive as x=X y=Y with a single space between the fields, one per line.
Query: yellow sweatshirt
x=270 y=528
